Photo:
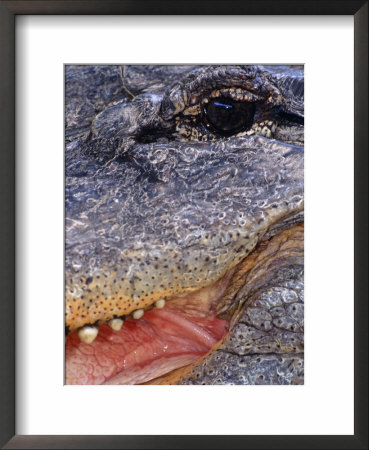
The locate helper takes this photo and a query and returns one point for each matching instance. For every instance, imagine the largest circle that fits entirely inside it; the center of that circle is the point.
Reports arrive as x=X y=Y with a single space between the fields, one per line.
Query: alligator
x=184 y=211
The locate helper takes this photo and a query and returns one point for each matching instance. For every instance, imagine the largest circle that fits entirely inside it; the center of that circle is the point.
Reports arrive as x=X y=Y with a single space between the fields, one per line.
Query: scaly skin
x=159 y=204
x=266 y=343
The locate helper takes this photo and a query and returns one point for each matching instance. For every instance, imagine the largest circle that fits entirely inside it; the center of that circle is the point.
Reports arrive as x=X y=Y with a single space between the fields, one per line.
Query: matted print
x=184 y=209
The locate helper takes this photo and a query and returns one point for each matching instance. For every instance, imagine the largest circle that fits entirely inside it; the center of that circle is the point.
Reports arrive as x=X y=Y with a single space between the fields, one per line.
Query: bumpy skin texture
x=266 y=343
x=158 y=203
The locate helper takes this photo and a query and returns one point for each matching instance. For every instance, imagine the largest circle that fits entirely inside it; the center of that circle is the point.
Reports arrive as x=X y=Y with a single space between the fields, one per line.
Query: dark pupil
x=229 y=116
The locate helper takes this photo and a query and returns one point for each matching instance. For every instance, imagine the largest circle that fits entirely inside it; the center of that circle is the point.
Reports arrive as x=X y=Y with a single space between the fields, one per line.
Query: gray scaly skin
x=266 y=342
x=159 y=204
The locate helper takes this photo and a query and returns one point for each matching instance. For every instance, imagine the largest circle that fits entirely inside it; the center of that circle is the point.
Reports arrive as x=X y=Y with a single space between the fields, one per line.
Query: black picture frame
x=8 y=12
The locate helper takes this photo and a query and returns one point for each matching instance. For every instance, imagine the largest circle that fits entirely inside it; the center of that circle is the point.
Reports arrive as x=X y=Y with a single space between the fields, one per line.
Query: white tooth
x=160 y=303
x=88 y=334
x=115 y=324
x=138 y=313
x=266 y=132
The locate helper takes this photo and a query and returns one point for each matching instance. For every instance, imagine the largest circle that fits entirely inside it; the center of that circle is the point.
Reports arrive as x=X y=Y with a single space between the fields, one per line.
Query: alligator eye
x=229 y=116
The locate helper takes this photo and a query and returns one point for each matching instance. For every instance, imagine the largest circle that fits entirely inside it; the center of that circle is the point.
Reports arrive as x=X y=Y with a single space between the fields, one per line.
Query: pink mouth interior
x=161 y=341
x=142 y=350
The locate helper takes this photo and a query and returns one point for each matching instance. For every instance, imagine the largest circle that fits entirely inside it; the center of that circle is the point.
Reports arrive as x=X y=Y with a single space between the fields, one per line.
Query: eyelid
x=235 y=93
x=201 y=83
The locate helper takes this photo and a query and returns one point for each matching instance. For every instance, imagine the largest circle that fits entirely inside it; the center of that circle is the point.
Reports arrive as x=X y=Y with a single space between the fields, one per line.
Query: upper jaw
x=131 y=244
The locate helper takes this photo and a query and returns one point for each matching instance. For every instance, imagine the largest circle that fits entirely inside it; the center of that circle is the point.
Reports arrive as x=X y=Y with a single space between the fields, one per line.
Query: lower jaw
x=144 y=349
x=167 y=352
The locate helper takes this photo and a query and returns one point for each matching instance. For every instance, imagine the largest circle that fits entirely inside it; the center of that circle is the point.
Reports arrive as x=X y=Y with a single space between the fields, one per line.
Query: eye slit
x=229 y=116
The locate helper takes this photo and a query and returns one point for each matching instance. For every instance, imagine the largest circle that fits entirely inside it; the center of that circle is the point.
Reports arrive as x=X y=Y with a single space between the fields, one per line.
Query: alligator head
x=184 y=204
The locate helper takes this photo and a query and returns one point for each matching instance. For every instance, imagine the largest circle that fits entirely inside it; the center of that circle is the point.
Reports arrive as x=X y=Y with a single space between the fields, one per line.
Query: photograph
x=184 y=224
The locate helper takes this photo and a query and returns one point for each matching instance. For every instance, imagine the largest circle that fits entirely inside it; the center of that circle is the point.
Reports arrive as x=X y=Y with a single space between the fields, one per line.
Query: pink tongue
x=143 y=349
